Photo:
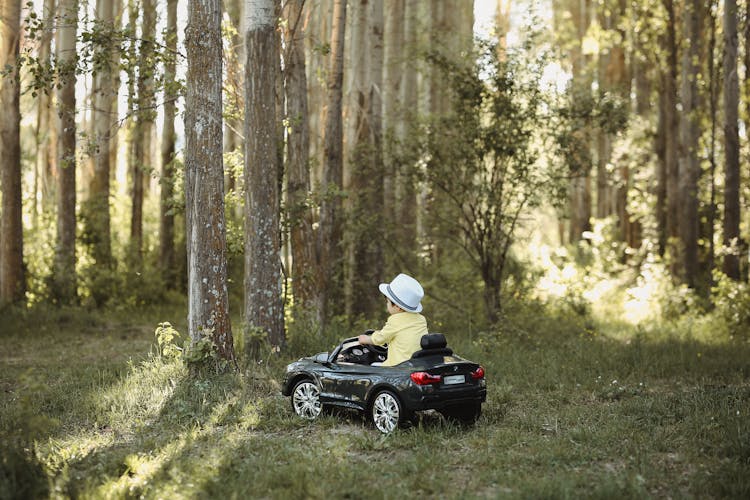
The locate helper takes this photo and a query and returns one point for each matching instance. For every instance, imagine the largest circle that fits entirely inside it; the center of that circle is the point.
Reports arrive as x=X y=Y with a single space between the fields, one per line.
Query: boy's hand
x=365 y=339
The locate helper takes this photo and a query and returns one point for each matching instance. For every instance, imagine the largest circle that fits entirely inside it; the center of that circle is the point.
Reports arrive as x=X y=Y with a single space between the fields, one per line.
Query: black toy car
x=434 y=378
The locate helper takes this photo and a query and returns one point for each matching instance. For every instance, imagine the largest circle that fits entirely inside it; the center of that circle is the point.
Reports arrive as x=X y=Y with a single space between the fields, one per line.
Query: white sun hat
x=405 y=292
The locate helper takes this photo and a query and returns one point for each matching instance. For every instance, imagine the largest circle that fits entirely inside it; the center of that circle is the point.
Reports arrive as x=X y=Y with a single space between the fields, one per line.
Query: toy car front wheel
x=386 y=412
x=306 y=399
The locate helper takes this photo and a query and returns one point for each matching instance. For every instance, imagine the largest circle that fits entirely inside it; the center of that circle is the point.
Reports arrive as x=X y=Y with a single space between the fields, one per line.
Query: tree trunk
x=366 y=184
x=393 y=130
x=166 y=202
x=96 y=208
x=690 y=133
x=672 y=145
x=264 y=308
x=45 y=130
x=660 y=146
x=305 y=272
x=580 y=185
x=64 y=281
x=329 y=234
x=12 y=284
x=144 y=122
x=208 y=303
x=405 y=240
x=732 y=245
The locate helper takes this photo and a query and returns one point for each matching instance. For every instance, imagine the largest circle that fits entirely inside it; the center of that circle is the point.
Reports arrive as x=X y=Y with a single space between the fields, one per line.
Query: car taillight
x=424 y=378
x=478 y=373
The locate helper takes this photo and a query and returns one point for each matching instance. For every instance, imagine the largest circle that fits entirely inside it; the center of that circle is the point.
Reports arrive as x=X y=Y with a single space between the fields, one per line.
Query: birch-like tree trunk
x=64 y=279
x=12 y=286
x=167 y=259
x=208 y=302
x=731 y=265
x=329 y=234
x=264 y=308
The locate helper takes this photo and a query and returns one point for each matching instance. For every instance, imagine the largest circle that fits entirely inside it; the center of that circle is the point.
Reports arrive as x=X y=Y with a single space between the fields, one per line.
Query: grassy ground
x=573 y=410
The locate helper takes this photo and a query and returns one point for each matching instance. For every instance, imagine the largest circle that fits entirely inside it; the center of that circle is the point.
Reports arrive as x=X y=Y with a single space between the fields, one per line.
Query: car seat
x=433 y=344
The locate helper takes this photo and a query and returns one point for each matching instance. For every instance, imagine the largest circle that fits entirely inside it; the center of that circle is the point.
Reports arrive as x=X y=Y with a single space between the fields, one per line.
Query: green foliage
x=165 y=340
x=482 y=159
x=202 y=355
x=732 y=301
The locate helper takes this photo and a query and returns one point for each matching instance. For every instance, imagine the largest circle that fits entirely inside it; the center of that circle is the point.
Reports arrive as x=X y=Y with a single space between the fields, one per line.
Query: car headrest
x=433 y=341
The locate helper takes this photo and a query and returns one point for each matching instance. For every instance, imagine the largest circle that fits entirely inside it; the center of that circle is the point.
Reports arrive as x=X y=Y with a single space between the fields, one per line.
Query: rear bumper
x=437 y=400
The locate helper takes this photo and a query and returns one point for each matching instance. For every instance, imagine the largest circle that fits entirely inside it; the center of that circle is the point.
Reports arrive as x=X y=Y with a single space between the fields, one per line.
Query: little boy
x=405 y=326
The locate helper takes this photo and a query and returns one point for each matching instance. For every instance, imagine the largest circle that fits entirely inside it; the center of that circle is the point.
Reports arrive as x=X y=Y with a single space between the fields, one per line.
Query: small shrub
x=732 y=301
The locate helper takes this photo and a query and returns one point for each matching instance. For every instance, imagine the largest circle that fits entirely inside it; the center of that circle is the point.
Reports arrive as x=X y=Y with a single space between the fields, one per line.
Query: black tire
x=305 y=399
x=386 y=412
x=464 y=414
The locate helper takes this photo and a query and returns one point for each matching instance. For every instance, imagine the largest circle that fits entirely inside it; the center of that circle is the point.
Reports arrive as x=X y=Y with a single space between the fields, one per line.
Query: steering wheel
x=379 y=352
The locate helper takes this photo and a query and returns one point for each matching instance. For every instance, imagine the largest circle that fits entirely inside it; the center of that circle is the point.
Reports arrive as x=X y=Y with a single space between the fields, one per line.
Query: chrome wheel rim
x=306 y=400
x=385 y=412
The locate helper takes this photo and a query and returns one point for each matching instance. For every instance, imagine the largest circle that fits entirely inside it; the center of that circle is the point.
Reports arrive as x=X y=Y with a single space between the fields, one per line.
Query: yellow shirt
x=402 y=332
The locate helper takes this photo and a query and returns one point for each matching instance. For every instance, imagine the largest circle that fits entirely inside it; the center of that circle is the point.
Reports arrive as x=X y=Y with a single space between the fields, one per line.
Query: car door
x=348 y=383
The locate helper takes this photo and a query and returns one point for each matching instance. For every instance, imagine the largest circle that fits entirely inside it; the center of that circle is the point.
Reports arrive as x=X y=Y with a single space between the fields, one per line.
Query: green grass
x=574 y=409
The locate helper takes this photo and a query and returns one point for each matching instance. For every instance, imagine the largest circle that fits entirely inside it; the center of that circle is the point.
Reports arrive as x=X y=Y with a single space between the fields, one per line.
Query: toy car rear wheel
x=306 y=399
x=387 y=412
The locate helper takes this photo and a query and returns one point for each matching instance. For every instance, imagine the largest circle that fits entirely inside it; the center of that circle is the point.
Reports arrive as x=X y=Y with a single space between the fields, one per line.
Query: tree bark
x=45 y=130
x=144 y=122
x=97 y=216
x=168 y=137
x=208 y=304
x=731 y=265
x=64 y=280
x=305 y=272
x=393 y=129
x=12 y=284
x=672 y=143
x=264 y=308
x=690 y=133
x=329 y=234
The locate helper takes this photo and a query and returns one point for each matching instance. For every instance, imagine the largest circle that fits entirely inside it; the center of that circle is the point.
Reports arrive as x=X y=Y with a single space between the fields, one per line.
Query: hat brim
x=385 y=290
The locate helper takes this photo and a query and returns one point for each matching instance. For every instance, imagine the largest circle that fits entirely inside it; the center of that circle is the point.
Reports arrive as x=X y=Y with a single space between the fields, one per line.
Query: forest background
x=250 y=171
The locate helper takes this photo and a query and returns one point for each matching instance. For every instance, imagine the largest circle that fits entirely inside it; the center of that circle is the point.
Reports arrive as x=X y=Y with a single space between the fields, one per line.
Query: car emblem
x=455 y=368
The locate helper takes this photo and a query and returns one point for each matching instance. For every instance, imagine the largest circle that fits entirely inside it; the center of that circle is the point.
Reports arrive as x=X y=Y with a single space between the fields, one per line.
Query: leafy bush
x=732 y=301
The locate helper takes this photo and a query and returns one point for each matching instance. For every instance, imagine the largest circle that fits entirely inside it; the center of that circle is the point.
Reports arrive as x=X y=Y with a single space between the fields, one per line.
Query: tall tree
x=329 y=234
x=145 y=114
x=580 y=186
x=264 y=307
x=731 y=265
x=364 y=251
x=12 y=285
x=96 y=213
x=690 y=135
x=45 y=131
x=305 y=271
x=404 y=244
x=64 y=274
x=167 y=259
x=393 y=72
x=208 y=301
